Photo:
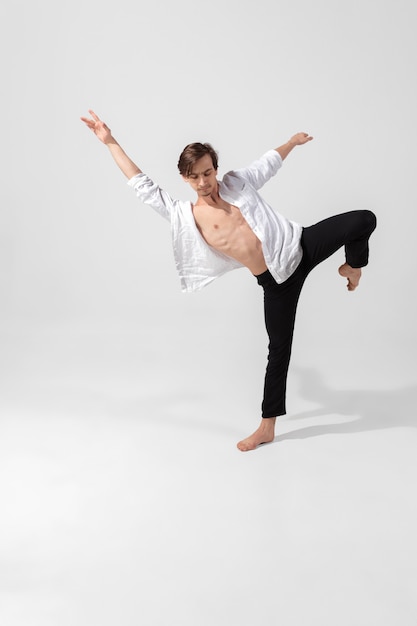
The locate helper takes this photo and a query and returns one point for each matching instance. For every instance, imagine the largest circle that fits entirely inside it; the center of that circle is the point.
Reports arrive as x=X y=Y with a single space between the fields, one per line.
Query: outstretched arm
x=298 y=139
x=261 y=170
x=103 y=132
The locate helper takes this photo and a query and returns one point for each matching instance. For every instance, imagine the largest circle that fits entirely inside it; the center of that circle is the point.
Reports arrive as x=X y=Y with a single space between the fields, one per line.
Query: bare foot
x=264 y=434
x=353 y=275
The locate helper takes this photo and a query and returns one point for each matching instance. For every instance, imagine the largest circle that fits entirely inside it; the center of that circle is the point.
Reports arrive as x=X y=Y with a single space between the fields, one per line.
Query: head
x=198 y=164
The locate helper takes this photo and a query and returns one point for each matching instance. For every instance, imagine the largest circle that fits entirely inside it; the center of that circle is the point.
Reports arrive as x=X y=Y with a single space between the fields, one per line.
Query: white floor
x=124 y=500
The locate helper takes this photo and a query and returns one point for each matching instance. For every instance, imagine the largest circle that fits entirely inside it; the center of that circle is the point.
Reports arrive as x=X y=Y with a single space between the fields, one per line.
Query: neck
x=212 y=199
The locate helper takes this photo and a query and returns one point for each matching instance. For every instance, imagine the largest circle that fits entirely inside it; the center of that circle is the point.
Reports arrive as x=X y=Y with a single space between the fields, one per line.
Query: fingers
x=90 y=123
x=304 y=137
x=301 y=138
x=94 y=124
x=94 y=116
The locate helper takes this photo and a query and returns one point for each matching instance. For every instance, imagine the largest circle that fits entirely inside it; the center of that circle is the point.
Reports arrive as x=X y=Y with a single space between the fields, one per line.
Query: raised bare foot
x=264 y=434
x=353 y=275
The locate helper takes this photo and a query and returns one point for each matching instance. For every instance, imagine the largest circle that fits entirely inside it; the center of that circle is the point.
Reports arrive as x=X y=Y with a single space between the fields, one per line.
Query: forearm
x=286 y=148
x=298 y=139
x=128 y=167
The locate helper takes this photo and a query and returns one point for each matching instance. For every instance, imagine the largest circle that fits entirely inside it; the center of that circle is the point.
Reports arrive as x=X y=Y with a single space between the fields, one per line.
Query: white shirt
x=198 y=264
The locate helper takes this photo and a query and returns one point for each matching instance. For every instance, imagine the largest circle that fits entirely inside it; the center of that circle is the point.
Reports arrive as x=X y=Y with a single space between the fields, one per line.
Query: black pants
x=318 y=242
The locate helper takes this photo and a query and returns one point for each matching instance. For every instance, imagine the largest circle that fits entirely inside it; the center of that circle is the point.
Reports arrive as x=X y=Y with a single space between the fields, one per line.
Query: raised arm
x=261 y=170
x=296 y=140
x=103 y=132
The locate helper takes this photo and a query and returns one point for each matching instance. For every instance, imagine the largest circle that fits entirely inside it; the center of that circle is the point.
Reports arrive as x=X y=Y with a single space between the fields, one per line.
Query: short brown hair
x=192 y=153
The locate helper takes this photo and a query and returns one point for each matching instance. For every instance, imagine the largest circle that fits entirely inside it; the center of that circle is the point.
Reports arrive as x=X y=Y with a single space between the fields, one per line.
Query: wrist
x=110 y=141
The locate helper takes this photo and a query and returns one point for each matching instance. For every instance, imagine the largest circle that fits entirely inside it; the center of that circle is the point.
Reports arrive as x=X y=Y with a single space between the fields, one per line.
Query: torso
x=224 y=228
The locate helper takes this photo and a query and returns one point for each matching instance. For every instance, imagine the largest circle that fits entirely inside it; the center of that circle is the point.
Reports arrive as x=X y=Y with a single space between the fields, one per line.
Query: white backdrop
x=93 y=322
x=77 y=245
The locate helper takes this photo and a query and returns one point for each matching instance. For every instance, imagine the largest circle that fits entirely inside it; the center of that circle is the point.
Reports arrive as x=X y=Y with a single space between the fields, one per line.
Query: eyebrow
x=197 y=173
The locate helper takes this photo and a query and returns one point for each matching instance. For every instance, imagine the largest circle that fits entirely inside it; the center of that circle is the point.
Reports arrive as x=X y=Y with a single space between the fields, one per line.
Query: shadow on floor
x=367 y=409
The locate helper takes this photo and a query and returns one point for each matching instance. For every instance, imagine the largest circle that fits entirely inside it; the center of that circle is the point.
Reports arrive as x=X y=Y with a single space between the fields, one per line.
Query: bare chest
x=215 y=223
x=224 y=228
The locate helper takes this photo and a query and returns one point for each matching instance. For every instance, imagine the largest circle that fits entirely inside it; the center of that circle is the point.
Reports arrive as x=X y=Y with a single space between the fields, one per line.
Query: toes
x=245 y=446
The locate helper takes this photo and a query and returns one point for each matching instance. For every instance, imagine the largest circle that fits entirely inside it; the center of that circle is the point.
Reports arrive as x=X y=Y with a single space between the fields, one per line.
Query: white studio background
x=107 y=368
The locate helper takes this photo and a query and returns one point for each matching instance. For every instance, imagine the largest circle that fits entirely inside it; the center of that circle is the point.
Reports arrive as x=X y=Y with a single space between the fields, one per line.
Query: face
x=203 y=177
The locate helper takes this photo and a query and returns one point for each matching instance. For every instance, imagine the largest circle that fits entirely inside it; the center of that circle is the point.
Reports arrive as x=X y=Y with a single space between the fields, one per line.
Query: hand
x=296 y=140
x=99 y=128
x=300 y=138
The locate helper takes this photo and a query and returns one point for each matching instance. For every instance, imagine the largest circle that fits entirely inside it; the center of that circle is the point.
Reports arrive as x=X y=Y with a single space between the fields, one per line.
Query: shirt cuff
x=275 y=155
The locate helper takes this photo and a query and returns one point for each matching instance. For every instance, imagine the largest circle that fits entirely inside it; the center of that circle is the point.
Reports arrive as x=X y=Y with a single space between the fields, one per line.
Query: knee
x=369 y=220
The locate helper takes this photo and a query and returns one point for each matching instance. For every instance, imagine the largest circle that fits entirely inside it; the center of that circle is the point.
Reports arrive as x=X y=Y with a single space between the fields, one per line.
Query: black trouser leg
x=320 y=241
x=351 y=230
x=280 y=305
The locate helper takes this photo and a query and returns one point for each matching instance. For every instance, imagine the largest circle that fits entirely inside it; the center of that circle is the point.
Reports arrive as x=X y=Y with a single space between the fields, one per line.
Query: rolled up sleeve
x=150 y=193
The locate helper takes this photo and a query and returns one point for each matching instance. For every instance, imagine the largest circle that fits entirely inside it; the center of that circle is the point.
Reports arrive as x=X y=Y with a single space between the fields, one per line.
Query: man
x=230 y=226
